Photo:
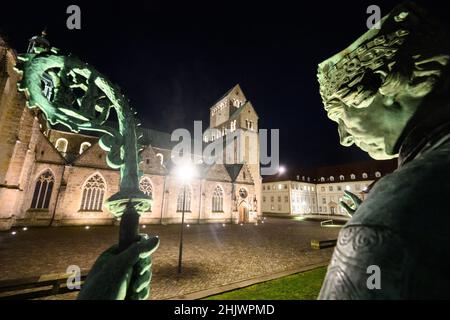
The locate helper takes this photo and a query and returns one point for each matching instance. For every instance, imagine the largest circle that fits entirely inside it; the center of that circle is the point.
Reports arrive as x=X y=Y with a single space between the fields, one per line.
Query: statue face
x=374 y=86
x=376 y=127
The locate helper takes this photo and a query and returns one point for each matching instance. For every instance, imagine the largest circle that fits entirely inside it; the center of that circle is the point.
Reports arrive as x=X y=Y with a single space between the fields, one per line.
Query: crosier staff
x=80 y=98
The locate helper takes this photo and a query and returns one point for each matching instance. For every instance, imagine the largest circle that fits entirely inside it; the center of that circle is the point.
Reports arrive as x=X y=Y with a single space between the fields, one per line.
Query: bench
x=321 y=244
x=37 y=287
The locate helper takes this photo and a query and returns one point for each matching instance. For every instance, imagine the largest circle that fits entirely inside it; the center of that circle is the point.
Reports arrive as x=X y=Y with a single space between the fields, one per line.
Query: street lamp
x=281 y=170
x=184 y=173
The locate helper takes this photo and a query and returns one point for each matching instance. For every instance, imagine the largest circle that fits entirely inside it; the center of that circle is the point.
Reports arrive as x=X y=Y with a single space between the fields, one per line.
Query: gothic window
x=84 y=146
x=322 y=179
x=217 y=200
x=187 y=203
x=145 y=185
x=352 y=176
x=93 y=193
x=364 y=175
x=377 y=174
x=331 y=178
x=61 y=145
x=43 y=191
x=341 y=177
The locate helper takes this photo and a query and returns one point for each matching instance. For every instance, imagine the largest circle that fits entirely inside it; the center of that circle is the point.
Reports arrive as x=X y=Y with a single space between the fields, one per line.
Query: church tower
x=234 y=119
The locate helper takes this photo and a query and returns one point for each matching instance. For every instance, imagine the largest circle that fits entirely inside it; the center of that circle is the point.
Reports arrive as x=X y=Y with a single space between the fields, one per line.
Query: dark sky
x=174 y=59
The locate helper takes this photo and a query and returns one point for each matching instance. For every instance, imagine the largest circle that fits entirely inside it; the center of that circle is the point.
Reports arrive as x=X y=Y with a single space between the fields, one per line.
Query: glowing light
x=188 y=225
x=241 y=224
x=13 y=233
x=347 y=188
x=24 y=228
x=144 y=226
x=185 y=172
x=281 y=170
x=223 y=225
x=256 y=224
x=262 y=221
x=87 y=227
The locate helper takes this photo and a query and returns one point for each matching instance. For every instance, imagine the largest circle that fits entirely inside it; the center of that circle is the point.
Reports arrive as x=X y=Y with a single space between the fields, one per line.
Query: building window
x=271 y=199
x=320 y=209
x=61 y=145
x=187 y=203
x=377 y=174
x=145 y=185
x=341 y=177
x=331 y=178
x=93 y=193
x=279 y=207
x=330 y=188
x=272 y=207
x=324 y=200
x=43 y=191
x=286 y=199
x=84 y=146
x=217 y=200
x=322 y=179
x=352 y=176
x=339 y=188
x=364 y=175
x=160 y=158
x=322 y=189
x=264 y=188
x=279 y=198
x=264 y=198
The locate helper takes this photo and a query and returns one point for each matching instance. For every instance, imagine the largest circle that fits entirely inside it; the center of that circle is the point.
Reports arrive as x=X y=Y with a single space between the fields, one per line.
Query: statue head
x=374 y=87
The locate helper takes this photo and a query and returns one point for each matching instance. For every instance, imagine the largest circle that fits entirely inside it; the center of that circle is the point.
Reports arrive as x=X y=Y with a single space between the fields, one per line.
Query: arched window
x=43 y=190
x=352 y=176
x=364 y=175
x=84 y=146
x=187 y=204
x=160 y=157
x=145 y=185
x=322 y=179
x=341 y=177
x=61 y=145
x=331 y=178
x=377 y=174
x=217 y=200
x=93 y=193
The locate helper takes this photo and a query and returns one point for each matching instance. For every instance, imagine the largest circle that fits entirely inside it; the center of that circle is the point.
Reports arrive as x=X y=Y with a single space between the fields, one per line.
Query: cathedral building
x=52 y=177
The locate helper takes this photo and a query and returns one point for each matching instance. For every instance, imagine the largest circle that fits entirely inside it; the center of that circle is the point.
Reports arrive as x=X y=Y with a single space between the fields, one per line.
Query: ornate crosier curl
x=74 y=94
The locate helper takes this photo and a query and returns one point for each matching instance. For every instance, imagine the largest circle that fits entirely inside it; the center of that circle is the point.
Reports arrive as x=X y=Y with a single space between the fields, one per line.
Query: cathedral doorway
x=243 y=212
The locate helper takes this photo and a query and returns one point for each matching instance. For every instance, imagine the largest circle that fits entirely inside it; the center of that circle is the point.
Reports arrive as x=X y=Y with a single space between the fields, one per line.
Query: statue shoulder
x=360 y=251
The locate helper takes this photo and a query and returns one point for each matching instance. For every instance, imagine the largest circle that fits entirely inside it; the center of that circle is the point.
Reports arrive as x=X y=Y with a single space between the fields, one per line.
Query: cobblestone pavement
x=213 y=255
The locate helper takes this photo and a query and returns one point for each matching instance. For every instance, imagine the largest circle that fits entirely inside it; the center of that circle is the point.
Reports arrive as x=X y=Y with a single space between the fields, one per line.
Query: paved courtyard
x=213 y=255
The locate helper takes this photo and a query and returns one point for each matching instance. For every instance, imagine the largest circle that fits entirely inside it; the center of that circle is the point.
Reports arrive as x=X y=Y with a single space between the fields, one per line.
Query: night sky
x=173 y=60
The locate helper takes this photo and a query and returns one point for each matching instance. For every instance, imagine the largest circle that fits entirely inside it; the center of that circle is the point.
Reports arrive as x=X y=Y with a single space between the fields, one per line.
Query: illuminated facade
x=49 y=176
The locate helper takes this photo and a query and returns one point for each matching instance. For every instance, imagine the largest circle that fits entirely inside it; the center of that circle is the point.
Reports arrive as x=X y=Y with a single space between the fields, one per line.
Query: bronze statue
x=79 y=97
x=389 y=92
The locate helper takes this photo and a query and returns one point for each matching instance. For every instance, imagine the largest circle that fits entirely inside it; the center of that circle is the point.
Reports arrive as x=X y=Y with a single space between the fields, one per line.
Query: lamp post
x=180 y=252
x=185 y=173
